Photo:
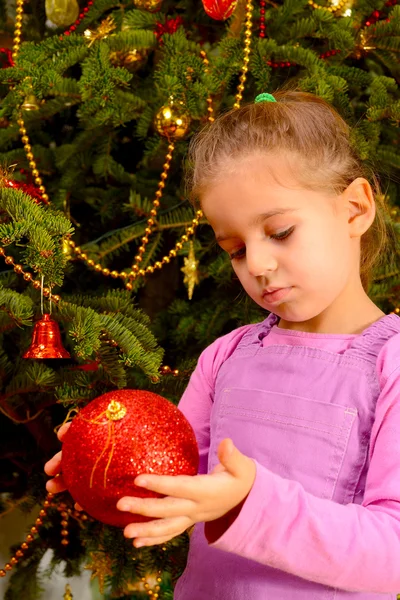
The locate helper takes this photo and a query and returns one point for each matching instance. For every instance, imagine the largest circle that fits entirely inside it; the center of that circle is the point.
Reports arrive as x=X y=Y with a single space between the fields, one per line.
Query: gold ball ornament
x=62 y=12
x=150 y=5
x=131 y=60
x=172 y=122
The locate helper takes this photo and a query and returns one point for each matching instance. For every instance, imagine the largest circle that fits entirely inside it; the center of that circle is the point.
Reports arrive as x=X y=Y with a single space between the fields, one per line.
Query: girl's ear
x=361 y=206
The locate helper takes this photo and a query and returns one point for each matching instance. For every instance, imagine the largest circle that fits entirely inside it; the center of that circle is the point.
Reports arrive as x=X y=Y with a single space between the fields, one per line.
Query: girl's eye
x=283 y=235
x=279 y=237
x=238 y=254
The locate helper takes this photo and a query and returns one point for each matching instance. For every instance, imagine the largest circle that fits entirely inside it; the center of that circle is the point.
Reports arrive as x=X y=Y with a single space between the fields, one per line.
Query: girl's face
x=290 y=247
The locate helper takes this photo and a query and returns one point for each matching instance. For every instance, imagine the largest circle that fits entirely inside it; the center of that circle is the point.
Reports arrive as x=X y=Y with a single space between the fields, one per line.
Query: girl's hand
x=189 y=500
x=53 y=466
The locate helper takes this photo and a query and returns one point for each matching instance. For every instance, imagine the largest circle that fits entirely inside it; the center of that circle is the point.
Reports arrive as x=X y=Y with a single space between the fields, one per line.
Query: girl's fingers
x=179 y=486
x=159 y=529
x=139 y=542
x=156 y=507
x=63 y=430
x=53 y=466
x=56 y=485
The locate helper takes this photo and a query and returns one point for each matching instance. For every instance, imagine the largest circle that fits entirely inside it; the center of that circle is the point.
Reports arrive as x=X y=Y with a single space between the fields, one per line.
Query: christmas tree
x=99 y=102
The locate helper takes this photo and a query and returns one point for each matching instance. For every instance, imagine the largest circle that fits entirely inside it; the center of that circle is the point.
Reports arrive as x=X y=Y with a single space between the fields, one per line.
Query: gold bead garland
x=153 y=213
x=20 y=120
x=64 y=523
x=210 y=109
x=9 y=260
x=246 y=52
x=36 y=283
x=65 y=514
x=140 y=272
x=31 y=159
x=152 y=592
x=18 y=27
x=29 y=538
x=136 y=270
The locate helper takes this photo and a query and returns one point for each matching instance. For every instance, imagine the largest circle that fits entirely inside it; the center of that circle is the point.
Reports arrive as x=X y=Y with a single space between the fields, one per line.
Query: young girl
x=297 y=418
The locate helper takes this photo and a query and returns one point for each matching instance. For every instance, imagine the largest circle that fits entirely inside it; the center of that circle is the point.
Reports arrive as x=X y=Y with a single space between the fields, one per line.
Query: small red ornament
x=170 y=26
x=27 y=188
x=6 y=59
x=118 y=436
x=219 y=9
x=46 y=340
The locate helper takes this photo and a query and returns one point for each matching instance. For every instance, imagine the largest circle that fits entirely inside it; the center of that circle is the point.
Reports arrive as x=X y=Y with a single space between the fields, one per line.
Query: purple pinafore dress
x=306 y=414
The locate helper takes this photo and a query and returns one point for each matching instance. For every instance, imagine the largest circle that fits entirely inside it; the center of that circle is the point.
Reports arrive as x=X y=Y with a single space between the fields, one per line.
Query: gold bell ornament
x=30 y=103
x=172 y=121
x=62 y=12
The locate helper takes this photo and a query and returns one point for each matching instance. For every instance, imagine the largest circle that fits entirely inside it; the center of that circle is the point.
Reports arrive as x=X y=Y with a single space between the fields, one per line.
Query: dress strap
x=369 y=343
x=255 y=334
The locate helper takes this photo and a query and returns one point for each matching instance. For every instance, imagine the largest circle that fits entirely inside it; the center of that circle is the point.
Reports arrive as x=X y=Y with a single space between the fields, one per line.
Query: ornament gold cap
x=115 y=411
x=265 y=97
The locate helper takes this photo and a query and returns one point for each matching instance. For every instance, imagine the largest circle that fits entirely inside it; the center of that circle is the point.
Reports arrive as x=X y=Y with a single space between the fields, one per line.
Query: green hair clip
x=264 y=98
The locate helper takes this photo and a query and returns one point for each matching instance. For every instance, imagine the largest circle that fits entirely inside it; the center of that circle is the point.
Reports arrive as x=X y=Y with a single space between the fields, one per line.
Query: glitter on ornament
x=118 y=436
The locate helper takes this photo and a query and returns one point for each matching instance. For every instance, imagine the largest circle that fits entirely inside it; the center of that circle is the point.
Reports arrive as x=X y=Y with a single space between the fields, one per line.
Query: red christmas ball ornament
x=219 y=9
x=118 y=436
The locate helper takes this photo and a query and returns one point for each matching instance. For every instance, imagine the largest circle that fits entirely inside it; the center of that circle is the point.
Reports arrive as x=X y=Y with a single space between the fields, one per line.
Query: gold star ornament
x=106 y=27
x=190 y=271
x=100 y=567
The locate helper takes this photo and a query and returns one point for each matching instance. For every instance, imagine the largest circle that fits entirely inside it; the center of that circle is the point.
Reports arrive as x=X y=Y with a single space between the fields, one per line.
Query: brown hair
x=301 y=124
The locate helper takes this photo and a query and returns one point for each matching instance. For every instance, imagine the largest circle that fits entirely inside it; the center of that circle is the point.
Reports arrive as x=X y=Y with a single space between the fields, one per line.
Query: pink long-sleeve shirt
x=320 y=415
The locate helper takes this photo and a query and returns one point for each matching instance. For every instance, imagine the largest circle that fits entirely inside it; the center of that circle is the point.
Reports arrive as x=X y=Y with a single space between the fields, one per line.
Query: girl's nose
x=260 y=260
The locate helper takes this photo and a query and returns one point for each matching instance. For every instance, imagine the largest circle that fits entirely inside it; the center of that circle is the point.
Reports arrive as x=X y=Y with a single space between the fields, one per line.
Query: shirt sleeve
x=351 y=547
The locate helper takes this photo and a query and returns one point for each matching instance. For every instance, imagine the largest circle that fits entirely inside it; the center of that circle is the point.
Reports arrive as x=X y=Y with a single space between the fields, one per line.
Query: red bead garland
x=280 y=65
x=329 y=53
x=82 y=15
x=378 y=14
x=262 y=19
